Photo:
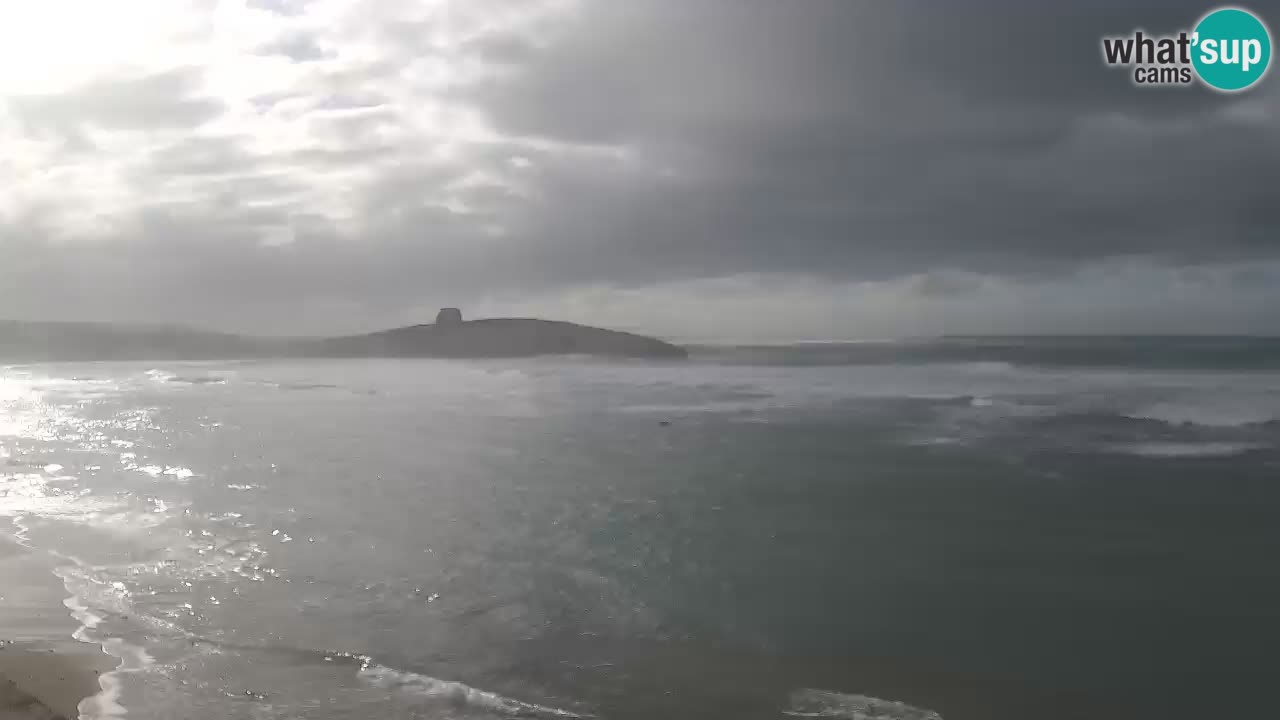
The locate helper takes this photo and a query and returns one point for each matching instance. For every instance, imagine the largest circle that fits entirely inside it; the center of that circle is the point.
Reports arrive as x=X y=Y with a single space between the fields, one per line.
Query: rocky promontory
x=450 y=336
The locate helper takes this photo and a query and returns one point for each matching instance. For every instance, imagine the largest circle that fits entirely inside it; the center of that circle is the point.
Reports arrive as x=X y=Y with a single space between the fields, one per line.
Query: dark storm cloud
x=860 y=139
x=649 y=68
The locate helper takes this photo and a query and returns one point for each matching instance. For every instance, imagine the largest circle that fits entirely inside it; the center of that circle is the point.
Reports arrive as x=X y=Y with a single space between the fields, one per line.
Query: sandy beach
x=44 y=672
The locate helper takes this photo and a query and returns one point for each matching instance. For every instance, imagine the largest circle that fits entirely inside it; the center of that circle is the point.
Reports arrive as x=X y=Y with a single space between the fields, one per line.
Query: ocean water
x=966 y=529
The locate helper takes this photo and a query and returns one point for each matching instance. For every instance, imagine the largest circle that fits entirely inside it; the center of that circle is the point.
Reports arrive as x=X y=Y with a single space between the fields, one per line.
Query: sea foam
x=1188 y=449
x=454 y=693
x=826 y=704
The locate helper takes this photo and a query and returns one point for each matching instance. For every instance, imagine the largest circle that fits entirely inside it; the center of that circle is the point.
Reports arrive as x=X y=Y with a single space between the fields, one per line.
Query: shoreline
x=45 y=672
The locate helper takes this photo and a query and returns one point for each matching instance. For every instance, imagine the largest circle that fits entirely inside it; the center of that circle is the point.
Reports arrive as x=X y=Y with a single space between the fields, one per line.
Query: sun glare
x=50 y=45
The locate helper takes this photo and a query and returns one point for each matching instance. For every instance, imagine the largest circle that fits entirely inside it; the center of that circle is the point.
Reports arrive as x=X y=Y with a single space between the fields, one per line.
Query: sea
x=961 y=528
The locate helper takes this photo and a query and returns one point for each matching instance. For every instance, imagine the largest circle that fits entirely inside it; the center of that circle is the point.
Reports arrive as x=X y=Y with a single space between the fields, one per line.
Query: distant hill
x=449 y=337
x=503 y=337
x=43 y=342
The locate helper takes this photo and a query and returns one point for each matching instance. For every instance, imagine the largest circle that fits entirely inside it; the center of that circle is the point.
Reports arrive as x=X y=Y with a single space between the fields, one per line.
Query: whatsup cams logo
x=1229 y=49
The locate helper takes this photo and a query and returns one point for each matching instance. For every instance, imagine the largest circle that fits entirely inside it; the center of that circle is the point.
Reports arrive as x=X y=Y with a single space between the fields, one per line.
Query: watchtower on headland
x=448 y=317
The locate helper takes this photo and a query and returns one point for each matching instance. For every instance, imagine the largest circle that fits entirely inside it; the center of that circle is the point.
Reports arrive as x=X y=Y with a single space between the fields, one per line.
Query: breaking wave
x=199 y=380
x=1189 y=449
x=453 y=692
x=168 y=377
x=827 y=704
x=1214 y=410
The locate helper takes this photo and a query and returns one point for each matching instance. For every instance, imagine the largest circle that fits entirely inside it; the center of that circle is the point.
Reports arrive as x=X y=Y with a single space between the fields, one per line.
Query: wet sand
x=44 y=672
x=42 y=683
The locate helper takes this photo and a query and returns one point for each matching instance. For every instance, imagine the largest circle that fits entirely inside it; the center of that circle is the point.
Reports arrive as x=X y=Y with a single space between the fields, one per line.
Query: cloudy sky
x=717 y=169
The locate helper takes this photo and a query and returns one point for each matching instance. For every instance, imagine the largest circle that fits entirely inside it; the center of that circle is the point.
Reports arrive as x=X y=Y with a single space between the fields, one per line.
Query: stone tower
x=448 y=317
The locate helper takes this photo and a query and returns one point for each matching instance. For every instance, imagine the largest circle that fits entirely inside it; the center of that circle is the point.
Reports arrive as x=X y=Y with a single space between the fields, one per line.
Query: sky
x=719 y=170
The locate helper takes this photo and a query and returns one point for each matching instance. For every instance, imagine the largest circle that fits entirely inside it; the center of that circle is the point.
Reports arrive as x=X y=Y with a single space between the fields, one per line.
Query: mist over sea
x=1014 y=528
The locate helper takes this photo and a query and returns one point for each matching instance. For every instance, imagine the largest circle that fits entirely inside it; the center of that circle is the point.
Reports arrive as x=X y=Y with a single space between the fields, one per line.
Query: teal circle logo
x=1231 y=49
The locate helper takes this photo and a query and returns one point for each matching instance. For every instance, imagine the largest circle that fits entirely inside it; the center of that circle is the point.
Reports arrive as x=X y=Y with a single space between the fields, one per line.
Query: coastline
x=45 y=673
x=450 y=337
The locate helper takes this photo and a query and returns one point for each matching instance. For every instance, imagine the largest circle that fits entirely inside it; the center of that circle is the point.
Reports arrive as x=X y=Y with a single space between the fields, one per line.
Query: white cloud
x=311 y=136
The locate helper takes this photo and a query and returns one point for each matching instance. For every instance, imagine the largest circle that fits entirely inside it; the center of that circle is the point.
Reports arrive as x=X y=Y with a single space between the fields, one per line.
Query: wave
x=1138 y=352
x=1213 y=412
x=199 y=380
x=129 y=658
x=425 y=688
x=294 y=386
x=35 y=494
x=988 y=366
x=1189 y=449
x=727 y=406
x=453 y=692
x=168 y=377
x=129 y=461
x=826 y=704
